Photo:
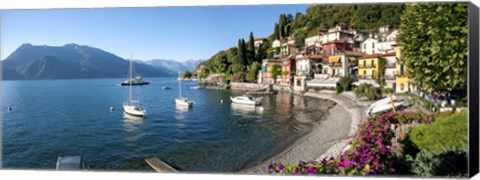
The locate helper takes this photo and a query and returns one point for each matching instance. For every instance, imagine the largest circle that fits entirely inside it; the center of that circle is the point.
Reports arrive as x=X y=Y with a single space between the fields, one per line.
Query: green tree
x=252 y=74
x=251 y=49
x=434 y=44
x=276 y=71
x=367 y=91
x=242 y=52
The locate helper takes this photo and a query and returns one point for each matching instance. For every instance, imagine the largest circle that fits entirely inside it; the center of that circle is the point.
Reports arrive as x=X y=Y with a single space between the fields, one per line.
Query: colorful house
x=390 y=70
x=265 y=74
x=288 y=68
x=344 y=64
x=403 y=83
x=368 y=66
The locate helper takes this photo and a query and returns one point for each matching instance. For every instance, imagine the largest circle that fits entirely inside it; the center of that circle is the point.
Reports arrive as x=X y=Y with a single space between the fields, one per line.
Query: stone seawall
x=258 y=87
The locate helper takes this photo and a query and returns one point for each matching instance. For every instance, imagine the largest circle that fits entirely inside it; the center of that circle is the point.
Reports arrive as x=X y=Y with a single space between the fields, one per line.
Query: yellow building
x=403 y=84
x=368 y=66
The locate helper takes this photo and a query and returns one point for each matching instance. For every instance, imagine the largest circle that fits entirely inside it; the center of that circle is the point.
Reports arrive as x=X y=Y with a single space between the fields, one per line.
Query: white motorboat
x=249 y=100
x=182 y=100
x=131 y=106
x=383 y=106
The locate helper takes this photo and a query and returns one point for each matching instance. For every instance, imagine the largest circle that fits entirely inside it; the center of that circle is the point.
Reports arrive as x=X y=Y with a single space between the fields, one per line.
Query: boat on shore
x=248 y=100
x=137 y=81
x=383 y=106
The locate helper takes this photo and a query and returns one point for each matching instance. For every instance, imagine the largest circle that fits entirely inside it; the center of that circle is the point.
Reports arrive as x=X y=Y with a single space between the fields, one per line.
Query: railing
x=365 y=77
x=335 y=64
x=390 y=77
x=391 y=65
x=367 y=66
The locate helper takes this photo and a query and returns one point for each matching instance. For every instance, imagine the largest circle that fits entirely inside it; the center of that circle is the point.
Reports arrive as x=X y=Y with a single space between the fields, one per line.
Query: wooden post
x=395 y=111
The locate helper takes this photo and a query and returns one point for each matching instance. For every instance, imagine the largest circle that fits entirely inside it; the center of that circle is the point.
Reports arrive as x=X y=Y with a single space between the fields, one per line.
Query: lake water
x=52 y=118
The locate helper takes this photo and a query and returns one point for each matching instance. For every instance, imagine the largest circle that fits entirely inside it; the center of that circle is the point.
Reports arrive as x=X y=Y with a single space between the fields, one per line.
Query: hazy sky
x=178 y=33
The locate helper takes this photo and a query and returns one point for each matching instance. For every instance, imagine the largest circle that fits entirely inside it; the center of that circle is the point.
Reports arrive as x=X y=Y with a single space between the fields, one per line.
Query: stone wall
x=248 y=86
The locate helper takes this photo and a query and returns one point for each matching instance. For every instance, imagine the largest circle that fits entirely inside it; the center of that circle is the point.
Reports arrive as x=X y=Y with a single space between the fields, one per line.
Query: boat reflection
x=131 y=126
x=245 y=110
x=180 y=111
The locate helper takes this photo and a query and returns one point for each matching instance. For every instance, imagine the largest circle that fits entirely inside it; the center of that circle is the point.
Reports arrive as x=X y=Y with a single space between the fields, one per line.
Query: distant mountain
x=173 y=66
x=69 y=62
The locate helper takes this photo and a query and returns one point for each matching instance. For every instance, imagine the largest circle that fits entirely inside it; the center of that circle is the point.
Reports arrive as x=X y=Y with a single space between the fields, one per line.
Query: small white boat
x=196 y=87
x=182 y=100
x=249 y=100
x=383 y=106
x=166 y=87
x=133 y=107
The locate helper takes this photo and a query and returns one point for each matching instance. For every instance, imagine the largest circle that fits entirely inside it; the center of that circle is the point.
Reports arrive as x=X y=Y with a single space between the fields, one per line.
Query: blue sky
x=178 y=33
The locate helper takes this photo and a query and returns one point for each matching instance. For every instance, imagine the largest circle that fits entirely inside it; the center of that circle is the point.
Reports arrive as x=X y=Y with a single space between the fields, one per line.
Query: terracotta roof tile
x=368 y=56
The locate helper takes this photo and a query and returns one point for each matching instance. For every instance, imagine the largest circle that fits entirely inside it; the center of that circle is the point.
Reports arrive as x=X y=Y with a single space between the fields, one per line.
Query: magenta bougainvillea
x=369 y=153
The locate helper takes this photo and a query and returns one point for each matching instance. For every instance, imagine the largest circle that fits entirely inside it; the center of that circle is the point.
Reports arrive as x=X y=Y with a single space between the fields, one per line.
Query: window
x=365 y=46
x=372 y=63
x=331 y=51
x=365 y=63
x=401 y=69
x=402 y=87
x=373 y=45
x=364 y=73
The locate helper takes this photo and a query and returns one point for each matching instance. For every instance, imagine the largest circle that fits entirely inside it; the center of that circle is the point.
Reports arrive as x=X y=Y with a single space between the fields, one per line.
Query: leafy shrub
x=387 y=90
x=444 y=132
x=344 y=84
x=424 y=164
x=368 y=91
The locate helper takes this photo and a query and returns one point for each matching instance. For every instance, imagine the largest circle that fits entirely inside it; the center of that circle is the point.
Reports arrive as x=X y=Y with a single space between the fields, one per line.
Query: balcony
x=367 y=66
x=335 y=64
x=365 y=77
x=390 y=65
x=390 y=77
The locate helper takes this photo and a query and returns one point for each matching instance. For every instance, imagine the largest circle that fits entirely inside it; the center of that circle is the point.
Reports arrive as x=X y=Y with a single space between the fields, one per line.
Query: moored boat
x=249 y=100
x=137 y=81
x=131 y=106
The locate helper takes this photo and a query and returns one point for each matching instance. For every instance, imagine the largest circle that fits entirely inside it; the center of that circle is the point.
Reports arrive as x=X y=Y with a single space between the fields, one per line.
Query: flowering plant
x=369 y=153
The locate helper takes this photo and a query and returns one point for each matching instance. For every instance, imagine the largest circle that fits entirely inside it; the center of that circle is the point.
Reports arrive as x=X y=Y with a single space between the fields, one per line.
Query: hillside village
x=337 y=53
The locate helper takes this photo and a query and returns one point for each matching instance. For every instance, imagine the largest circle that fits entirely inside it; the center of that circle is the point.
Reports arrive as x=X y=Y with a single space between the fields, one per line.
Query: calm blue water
x=52 y=118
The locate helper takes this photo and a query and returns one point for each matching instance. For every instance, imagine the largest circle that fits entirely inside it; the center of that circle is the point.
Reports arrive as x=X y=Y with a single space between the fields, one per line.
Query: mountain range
x=73 y=61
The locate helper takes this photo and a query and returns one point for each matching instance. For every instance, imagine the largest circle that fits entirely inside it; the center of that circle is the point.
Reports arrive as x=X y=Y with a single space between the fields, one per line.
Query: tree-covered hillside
x=236 y=62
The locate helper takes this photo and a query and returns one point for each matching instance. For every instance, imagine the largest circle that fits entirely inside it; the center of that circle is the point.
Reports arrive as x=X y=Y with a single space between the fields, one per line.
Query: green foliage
x=343 y=84
x=339 y=89
x=251 y=49
x=187 y=75
x=387 y=90
x=276 y=71
x=424 y=163
x=449 y=132
x=368 y=91
x=434 y=44
x=252 y=74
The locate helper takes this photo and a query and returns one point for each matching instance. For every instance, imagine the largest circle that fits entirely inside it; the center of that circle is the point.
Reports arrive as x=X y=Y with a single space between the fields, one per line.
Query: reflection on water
x=245 y=110
x=180 y=111
x=131 y=125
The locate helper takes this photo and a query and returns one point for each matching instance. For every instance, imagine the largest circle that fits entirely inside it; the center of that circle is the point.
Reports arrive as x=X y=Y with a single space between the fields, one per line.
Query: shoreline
x=327 y=138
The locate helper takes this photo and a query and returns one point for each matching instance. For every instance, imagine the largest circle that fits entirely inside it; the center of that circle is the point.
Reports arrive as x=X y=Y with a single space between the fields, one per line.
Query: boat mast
x=180 y=83
x=130 y=100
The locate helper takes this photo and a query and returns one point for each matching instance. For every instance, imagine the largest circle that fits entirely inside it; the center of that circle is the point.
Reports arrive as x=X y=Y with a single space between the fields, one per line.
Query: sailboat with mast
x=182 y=101
x=131 y=106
